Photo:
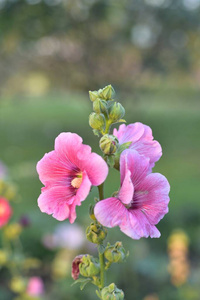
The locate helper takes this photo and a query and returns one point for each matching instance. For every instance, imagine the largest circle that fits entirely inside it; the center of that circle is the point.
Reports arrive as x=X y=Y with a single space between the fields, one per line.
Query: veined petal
x=110 y=212
x=138 y=226
x=52 y=170
x=56 y=200
x=67 y=145
x=152 y=197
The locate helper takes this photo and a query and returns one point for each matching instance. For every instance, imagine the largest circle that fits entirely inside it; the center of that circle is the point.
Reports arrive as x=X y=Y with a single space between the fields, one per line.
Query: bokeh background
x=51 y=53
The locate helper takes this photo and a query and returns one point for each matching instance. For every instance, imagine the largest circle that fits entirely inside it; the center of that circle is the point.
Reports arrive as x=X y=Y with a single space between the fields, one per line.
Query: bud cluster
x=106 y=110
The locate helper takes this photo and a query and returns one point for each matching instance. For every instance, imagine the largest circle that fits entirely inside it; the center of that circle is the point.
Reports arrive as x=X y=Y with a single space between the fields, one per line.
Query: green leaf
x=96 y=132
x=83 y=284
x=81 y=281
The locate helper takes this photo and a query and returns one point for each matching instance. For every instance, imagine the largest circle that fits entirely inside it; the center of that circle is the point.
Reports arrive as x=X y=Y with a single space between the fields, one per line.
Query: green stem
x=102 y=267
x=101 y=255
x=100 y=188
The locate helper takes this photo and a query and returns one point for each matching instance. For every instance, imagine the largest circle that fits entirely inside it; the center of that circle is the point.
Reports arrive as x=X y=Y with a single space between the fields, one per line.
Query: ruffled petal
x=127 y=189
x=110 y=212
x=148 y=148
x=95 y=167
x=130 y=133
x=138 y=226
x=152 y=198
x=56 y=201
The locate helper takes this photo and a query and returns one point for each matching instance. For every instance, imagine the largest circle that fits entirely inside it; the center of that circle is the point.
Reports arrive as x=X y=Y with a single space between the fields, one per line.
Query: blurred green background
x=52 y=52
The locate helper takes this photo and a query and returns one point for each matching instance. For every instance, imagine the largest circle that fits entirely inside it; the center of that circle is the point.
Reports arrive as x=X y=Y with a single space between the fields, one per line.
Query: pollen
x=76 y=182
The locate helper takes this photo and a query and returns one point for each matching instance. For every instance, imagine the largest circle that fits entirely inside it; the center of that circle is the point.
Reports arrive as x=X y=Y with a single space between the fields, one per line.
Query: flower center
x=76 y=182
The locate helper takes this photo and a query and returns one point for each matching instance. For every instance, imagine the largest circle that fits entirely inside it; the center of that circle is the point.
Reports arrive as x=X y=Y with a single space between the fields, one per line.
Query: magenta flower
x=142 y=200
x=142 y=140
x=5 y=211
x=68 y=172
x=35 y=286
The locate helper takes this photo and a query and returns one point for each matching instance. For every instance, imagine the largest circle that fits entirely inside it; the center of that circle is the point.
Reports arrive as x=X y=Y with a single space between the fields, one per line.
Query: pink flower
x=5 y=211
x=142 y=200
x=35 y=286
x=68 y=172
x=142 y=140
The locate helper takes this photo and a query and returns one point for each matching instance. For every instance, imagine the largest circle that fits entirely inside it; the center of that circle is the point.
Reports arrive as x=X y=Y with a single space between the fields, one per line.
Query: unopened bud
x=96 y=233
x=116 y=112
x=107 y=92
x=111 y=292
x=115 y=253
x=97 y=121
x=108 y=144
x=99 y=106
x=93 y=95
x=89 y=266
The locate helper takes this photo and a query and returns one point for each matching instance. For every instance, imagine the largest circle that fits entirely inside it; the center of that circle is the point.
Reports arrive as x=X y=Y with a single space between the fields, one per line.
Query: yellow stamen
x=76 y=182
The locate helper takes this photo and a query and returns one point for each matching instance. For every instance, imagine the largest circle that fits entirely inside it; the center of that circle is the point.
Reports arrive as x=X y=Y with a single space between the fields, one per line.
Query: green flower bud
x=97 y=121
x=116 y=112
x=115 y=253
x=107 y=92
x=111 y=292
x=89 y=266
x=99 y=106
x=96 y=233
x=93 y=95
x=108 y=144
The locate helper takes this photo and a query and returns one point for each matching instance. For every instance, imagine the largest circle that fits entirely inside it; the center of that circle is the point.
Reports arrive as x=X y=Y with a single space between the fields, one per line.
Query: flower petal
x=138 y=226
x=130 y=133
x=110 y=212
x=84 y=189
x=127 y=189
x=95 y=167
x=56 y=200
x=52 y=170
x=137 y=164
x=152 y=197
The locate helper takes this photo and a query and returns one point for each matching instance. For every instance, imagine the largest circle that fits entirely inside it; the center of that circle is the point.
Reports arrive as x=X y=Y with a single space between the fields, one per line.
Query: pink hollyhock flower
x=68 y=172
x=35 y=286
x=142 y=140
x=5 y=212
x=142 y=200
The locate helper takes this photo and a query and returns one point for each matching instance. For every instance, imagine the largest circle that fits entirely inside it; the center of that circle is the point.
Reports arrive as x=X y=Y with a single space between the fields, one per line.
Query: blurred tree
x=87 y=43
